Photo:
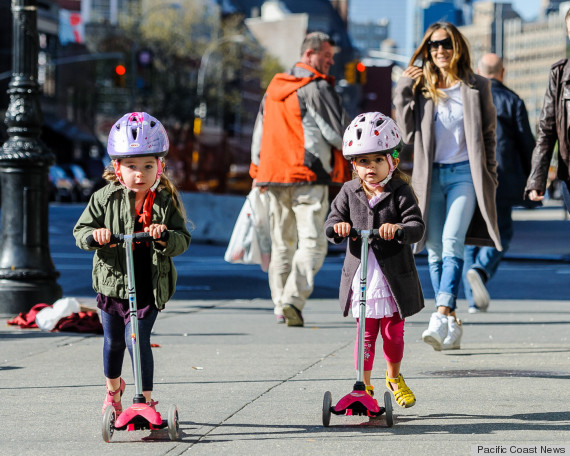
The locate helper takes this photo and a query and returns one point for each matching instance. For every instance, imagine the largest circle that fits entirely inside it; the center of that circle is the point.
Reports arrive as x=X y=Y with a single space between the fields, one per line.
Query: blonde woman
x=447 y=112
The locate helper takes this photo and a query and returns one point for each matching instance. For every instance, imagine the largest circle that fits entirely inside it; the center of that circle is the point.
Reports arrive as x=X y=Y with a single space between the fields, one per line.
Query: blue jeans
x=487 y=259
x=451 y=207
x=117 y=337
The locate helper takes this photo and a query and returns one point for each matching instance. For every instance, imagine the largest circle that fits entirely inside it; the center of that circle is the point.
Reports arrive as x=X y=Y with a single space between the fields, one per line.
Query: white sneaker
x=480 y=293
x=454 y=333
x=437 y=330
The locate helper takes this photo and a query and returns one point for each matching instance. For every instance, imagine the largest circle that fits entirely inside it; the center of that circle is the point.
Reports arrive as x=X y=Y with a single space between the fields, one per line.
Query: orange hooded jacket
x=283 y=159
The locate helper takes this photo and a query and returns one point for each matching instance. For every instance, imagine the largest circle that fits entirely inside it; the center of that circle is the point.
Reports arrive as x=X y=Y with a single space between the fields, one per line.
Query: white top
x=379 y=300
x=450 y=145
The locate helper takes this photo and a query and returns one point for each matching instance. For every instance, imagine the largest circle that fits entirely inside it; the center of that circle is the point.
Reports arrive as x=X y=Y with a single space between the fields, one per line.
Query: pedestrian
x=447 y=112
x=379 y=197
x=553 y=128
x=515 y=143
x=138 y=197
x=300 y=122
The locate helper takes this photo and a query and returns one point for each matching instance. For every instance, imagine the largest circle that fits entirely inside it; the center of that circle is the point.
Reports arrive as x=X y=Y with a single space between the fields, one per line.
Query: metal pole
x=362 y=305
x=27 y=272
x=138 y=398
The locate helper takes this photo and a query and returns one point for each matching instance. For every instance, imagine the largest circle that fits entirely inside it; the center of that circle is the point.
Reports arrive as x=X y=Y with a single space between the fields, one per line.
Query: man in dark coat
x=515 y=144
x=553 y=128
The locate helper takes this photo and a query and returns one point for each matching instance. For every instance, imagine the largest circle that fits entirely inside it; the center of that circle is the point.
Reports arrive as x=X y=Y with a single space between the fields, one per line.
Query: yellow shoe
x=370 y=390
x=403 y=395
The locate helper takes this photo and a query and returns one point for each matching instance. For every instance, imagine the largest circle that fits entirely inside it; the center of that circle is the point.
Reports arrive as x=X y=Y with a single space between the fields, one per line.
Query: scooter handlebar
x=355 y=232
x=120 y=238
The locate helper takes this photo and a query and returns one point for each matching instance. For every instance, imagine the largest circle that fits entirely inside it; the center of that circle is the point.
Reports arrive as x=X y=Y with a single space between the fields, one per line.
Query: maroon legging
x=392 y=330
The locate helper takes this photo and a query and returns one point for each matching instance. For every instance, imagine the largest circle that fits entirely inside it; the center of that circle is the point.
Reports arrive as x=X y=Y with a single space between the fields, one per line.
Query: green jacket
x=113 y=207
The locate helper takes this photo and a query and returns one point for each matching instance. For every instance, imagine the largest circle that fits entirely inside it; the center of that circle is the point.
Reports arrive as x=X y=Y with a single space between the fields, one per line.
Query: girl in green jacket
x=138 y=197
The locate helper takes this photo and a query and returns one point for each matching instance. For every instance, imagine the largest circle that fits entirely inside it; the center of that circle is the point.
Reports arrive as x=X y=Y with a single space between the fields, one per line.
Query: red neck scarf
x=145 y=215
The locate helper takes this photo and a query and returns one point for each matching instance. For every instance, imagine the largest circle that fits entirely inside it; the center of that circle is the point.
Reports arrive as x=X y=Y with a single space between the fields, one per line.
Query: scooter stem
x=139 y=398
x=364 y=234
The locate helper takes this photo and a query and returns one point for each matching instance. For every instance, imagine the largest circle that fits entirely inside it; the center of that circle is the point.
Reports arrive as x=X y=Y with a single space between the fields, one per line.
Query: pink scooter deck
x=137 y=411
x=358 y=402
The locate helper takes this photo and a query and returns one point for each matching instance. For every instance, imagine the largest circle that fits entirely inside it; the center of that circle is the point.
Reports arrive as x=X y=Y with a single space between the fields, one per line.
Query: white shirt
x=450 y=145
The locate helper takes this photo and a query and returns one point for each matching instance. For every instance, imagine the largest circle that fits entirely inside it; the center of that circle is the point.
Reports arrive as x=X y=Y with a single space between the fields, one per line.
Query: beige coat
x=415 y=117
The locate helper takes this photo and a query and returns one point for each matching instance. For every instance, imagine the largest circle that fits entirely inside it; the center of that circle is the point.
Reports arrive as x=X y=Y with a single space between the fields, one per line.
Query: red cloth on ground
x=81 y=322
x=28 y=319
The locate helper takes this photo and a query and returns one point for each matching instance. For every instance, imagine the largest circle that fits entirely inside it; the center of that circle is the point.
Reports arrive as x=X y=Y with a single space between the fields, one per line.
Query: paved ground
x=244 y=385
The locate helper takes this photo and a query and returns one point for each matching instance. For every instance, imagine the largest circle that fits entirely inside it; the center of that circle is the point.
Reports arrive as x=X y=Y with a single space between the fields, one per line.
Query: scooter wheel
x=173 y=425
x=327 y=402
x=389 y=410
x=108 y=423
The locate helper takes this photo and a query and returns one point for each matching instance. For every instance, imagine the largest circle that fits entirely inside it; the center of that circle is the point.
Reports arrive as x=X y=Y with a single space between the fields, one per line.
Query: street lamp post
x=27 y=272
x=201 y=111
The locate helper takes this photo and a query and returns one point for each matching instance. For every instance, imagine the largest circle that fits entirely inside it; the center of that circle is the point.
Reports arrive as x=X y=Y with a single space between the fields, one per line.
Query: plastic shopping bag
x=250 y=242
x=47 y=318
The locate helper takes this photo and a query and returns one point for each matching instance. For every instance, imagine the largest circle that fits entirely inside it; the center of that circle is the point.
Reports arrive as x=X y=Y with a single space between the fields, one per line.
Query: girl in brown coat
x=379 y=198
x=448 y=113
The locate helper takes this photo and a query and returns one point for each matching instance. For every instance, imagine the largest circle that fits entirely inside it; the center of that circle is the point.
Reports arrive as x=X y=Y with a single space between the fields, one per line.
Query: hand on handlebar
x=387 y=231
x=342 y=229
x=155 y=230
x=102 y=236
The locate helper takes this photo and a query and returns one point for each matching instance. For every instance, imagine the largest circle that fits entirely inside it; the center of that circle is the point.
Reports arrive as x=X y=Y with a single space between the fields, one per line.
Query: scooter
x=138 y=416
x=359 y=402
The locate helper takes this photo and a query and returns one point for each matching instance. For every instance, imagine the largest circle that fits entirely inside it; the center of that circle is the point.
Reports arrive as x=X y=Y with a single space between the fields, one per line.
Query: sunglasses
x=445 y=44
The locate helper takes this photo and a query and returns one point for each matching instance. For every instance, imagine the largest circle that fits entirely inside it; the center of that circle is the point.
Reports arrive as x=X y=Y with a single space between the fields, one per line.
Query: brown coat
x=553 y=126
x=415 y=117
x=395 y=258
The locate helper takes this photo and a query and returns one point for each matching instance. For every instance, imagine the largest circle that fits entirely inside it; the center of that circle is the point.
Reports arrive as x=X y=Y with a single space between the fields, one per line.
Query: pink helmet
x=369 y=133
x=137 y=134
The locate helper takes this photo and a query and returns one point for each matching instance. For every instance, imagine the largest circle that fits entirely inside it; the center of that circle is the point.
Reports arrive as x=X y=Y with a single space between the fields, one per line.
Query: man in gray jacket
x=300 y=123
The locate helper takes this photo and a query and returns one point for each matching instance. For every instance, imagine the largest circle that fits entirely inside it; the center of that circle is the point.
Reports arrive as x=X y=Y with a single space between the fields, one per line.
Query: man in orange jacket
x=300 y=124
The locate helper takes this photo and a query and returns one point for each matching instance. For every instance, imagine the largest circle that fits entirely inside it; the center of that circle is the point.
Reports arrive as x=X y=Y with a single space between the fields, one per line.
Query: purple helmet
x=369 y=133
x=137 y=134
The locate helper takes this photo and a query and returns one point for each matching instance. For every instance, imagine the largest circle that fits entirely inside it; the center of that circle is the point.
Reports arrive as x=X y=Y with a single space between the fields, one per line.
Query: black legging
x=117 y=337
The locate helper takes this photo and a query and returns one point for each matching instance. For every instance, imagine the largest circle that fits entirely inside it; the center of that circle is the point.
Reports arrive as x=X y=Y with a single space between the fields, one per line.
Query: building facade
x=528 y=49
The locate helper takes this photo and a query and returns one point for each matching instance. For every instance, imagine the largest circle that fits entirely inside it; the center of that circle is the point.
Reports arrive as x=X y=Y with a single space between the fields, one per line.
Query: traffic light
x=350 y=72
x=361 y=69
x=355 y=72
x=120 y=76
x=144 y=70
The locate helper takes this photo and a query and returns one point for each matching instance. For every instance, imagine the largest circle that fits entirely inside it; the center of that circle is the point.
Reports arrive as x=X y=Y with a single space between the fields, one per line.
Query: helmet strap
x=159 y=169
x=383 y=182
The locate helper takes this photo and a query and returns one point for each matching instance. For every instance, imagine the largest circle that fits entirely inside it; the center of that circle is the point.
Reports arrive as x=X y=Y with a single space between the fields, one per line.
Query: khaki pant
x=298 y=242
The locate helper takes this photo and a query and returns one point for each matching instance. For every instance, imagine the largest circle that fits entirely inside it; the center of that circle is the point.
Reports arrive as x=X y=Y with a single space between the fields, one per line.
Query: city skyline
x=401 y=18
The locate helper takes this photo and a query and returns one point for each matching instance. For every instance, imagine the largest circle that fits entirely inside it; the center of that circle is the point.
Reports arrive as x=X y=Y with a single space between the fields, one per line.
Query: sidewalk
x=532 y=242
x=244 y=385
